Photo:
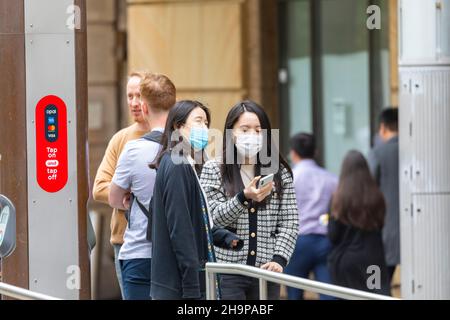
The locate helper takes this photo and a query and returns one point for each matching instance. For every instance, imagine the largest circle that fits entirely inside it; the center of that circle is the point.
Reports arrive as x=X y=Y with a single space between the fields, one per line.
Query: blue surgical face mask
x=199 y=138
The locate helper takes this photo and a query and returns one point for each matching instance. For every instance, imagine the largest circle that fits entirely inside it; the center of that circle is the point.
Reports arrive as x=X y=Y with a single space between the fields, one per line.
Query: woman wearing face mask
x=266 y=218
x=182 y=231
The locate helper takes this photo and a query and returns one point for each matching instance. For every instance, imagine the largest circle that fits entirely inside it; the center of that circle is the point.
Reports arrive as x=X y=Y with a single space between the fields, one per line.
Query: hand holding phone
x=265 y=180
x=258 y=190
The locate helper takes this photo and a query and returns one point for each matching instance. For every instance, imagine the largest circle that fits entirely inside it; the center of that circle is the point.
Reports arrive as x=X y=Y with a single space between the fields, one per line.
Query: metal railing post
x=262 y=289
x=210 y=285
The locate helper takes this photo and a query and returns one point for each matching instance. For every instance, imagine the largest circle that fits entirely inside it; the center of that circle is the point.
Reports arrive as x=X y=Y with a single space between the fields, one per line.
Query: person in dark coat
x=182 y=231
x=383 y=163
x=357 y=216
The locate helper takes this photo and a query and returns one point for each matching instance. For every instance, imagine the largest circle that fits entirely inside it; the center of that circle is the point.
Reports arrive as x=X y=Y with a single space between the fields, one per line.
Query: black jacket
x=354 y=256
x=178 y=233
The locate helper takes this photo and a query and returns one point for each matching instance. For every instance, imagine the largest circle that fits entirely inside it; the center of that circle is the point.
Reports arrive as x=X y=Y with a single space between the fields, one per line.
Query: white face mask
x=248 y=145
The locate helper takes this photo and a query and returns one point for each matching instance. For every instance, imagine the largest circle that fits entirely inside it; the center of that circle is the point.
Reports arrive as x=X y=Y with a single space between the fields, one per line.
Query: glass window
x=295 y=77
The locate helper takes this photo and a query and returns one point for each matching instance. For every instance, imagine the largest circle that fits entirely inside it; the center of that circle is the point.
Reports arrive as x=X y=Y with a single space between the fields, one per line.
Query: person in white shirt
x=134 y=180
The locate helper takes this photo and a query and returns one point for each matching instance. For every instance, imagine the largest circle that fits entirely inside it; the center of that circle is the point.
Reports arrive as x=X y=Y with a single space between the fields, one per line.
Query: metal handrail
x=296 y=282
x=22 y=294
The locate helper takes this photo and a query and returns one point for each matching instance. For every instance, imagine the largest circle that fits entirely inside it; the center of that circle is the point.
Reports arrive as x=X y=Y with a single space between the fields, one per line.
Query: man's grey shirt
x=383 y=162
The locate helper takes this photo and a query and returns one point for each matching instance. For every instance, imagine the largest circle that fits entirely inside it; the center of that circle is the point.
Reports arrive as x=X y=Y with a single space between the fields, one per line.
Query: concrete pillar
x=13 y=177
x=43 y=143
x=424 y=94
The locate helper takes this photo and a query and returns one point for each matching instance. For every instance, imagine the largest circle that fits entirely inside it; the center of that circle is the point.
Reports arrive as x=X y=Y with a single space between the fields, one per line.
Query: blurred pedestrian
x=357 y=215
x=314 y=188
x=383 y=163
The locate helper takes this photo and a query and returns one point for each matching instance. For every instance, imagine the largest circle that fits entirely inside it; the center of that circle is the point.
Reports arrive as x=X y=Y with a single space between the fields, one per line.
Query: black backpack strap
x=154 y=136
x=128 y=212
x=148 y=214
x=133 y=198
x=143 y=208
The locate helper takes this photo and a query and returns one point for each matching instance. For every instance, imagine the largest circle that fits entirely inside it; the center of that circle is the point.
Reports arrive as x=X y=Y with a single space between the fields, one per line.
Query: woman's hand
x=255 y=194
x=272 y=266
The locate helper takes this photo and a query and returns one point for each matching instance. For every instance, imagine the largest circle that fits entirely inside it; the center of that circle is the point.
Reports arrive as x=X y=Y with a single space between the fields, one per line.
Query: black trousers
x=236 y=287
x=391 y=271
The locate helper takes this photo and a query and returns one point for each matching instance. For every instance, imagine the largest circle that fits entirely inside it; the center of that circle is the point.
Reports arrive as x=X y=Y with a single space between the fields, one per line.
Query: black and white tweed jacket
x=269 y=233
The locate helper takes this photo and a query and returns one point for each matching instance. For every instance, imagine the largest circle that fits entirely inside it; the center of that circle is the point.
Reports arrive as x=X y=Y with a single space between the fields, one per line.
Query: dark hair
x=358 y=201
x=175 y=119
x=304 y=145
x=231 y=172
x=389 y=118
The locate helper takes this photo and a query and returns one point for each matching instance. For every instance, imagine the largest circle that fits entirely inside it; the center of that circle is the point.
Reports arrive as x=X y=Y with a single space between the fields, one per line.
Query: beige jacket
x=105 y=174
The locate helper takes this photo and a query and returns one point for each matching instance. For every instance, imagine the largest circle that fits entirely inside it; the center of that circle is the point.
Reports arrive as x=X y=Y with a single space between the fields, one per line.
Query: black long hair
x=230 y=173
x=177 y=117
x=358 y=201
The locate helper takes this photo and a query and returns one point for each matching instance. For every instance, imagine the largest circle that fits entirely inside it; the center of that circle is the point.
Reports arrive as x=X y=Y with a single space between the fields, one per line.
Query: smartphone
x=265 y=180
